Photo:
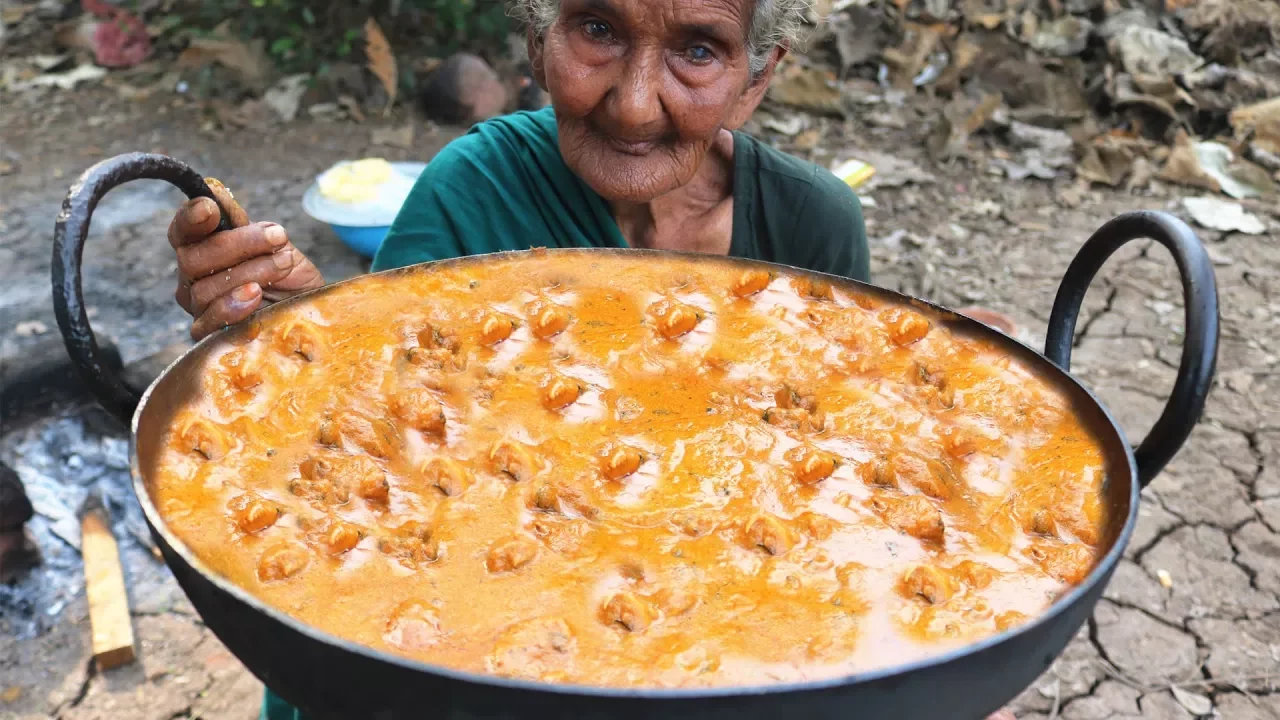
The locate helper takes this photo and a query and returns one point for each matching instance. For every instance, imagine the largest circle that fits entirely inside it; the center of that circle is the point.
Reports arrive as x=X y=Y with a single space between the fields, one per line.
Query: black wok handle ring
x=70 y=232
x=1200 y=341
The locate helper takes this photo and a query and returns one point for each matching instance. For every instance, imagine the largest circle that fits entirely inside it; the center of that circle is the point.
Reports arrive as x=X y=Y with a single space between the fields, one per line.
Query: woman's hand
x=224 y=276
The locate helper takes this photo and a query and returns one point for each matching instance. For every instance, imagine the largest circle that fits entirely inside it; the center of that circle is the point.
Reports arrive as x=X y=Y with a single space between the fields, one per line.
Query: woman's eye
x=596 y=29
x=699 y=53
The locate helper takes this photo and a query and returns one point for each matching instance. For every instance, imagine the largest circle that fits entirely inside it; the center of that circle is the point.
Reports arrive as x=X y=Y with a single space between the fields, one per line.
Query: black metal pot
x=329 y=677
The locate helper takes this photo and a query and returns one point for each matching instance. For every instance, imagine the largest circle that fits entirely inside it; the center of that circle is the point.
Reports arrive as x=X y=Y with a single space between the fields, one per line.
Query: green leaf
x=308 y=16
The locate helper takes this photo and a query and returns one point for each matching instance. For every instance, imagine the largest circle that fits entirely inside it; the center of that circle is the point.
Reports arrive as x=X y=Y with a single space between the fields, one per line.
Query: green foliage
x=466 y=23
x=305 y=35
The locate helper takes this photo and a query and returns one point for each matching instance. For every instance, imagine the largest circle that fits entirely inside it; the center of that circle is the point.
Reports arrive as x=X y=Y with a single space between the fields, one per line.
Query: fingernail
x=284 y=259
x=199 y=212
x=245 y=293
x=276 y=236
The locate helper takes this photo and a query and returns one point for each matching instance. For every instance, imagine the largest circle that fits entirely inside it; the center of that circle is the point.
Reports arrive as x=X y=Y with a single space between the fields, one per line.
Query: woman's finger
x=227 y=310
x=304 y=276
x=183 y=295
x=264 y=270
x=228 y=249
x=194 y=221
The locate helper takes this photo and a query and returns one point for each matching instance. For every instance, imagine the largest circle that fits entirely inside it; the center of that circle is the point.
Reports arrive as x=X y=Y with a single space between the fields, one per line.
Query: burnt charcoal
x=15 y=508
x=18 y=553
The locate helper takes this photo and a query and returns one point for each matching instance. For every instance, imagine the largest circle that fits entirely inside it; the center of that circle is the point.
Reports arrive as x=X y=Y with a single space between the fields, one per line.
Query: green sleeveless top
x=504 y=186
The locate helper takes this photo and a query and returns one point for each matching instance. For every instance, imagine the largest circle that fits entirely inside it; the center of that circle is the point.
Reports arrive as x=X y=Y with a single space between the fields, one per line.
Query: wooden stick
x=112 y=628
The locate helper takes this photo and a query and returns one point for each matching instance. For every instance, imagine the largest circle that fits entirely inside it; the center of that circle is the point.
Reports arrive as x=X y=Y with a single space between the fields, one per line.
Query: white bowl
x=372 y=214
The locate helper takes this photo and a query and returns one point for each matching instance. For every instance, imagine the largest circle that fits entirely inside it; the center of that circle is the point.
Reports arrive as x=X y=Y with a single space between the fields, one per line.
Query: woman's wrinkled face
x=642 y=88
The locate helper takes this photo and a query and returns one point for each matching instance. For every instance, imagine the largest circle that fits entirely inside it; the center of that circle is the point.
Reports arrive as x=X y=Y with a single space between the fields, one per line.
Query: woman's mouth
x=632 y=147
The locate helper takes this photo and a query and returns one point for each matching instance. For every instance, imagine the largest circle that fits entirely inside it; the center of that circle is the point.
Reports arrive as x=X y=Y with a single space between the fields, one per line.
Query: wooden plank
x=109 y=619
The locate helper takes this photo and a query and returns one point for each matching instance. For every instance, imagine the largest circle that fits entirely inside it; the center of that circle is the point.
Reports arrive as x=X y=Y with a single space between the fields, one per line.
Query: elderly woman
x=639 y=149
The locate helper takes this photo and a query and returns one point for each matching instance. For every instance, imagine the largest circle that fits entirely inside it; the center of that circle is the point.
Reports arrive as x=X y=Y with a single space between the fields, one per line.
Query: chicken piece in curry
x=632 y=470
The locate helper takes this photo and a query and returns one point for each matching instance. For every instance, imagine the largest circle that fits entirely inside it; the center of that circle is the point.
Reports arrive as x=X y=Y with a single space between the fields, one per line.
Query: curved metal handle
x=1200 y=342
x=69 y=235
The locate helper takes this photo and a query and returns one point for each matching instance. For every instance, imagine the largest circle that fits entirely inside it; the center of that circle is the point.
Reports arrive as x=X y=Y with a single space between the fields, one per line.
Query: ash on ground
x=62 y=460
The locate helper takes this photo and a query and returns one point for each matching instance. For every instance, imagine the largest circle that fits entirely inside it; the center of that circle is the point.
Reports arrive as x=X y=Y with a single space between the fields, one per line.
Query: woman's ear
x=753 y=95
x=534 y=42
x=761 y=81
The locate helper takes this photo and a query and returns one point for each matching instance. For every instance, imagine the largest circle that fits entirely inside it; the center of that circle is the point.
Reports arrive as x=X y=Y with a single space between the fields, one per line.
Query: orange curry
x=632 y=470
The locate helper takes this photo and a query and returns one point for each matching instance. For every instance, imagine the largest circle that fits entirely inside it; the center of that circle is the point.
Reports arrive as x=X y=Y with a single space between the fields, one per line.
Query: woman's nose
x=635 y=97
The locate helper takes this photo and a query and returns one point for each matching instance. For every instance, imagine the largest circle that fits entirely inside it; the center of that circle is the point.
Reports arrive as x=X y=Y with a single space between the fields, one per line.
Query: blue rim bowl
x=363 y=240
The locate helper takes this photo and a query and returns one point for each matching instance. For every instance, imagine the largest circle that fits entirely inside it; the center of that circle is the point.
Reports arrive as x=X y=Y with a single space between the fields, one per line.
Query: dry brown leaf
x=1148 y=101
x=1140 y=175
x=1261 y=121
x=382 y=63
x=352 y=106
x=248 y=60
x=948 y=139
x=1165 y=88
x=1183 y=166
x=983 y=113
x=808 y=139
x=1234 y=29
x=918 y=44
x=808 y=88
x=1109 y=159
x=1030 y=26
x=76 y=34
x=990 y=21
x=966 y=51
x=13 y=15
x=963 y=54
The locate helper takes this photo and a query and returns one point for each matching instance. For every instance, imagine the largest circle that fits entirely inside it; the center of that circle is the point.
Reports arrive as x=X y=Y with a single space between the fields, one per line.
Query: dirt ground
x=1211 y=521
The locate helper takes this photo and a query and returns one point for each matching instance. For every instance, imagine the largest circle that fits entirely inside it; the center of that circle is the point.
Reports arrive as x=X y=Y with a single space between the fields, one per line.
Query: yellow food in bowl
x=355 y=182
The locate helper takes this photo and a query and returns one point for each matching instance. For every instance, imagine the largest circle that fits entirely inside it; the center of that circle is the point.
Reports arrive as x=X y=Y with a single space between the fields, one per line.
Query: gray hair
x=773 y=23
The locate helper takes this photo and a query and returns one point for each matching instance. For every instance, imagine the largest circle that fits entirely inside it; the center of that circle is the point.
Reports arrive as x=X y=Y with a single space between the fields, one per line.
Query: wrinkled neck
x=649 y=224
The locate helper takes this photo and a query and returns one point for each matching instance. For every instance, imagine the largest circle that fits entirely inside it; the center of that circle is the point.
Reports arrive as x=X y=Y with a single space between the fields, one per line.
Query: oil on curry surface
x=632 y=471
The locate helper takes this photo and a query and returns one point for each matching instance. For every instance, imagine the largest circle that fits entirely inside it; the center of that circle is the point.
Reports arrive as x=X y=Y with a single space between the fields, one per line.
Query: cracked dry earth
x=1210 y=524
